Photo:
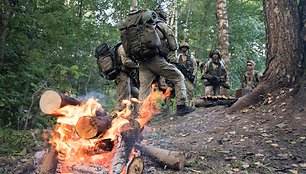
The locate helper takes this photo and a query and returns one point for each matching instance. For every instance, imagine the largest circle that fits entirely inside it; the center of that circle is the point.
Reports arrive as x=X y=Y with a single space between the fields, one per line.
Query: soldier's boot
x=182 y=110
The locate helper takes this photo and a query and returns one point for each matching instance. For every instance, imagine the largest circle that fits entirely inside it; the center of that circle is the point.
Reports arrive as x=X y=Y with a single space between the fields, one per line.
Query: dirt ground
x=267 y=138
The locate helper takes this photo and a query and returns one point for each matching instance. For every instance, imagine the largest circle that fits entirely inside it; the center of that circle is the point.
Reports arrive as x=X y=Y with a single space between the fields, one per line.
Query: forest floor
x=264 y=139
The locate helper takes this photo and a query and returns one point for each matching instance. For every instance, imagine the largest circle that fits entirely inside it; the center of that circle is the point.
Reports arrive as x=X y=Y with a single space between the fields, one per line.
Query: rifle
x=186 y=72
x=134 y=76
x=216 y=81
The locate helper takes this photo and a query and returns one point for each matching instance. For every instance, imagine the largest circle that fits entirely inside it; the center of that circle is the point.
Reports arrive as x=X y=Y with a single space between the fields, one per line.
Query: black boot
x=182 y=110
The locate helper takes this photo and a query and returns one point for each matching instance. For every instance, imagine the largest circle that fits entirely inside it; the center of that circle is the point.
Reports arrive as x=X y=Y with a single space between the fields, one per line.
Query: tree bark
x=223 y=39
x=170 y=159
x=284 y=50
x=89 y=127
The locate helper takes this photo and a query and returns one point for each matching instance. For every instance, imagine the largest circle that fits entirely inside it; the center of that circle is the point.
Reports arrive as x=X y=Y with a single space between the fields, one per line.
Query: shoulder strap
x=115 y=57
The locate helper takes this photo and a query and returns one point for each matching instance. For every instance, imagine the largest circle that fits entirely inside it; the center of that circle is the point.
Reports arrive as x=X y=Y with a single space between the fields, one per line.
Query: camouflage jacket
x=251 y=80
x=210 y=69
x=189 y=62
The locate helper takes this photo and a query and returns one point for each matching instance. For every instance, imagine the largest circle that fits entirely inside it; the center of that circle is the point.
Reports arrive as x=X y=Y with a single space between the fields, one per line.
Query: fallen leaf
x=293 y=171
x=209 y=139
x=245 y=165
x=303 y=165
x=293 y=142
x=236 y=169
x=281 y=125
x=259 y=155
x=264 y=135
x=302 y=138
x=274 y=145
x=290 y=89
x=269 y=141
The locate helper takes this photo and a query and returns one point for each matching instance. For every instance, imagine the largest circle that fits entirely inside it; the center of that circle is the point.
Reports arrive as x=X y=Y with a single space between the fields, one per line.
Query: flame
x=72 y=148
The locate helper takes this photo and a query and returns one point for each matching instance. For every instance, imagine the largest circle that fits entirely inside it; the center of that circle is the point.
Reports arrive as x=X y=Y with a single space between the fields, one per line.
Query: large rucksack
x=138 y=35
x=107 y=60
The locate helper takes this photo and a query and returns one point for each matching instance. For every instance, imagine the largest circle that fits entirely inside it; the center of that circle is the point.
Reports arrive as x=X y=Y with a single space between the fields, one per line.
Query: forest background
x=50 y=45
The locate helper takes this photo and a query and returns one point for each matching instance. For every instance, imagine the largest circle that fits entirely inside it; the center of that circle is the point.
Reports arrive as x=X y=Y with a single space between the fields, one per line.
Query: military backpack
x=139 y=36
x=107 y=60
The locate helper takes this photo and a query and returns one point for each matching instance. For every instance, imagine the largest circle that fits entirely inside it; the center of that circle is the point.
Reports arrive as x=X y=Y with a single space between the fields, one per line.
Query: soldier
x=189 y=61
x=251 y=77
x=214 y=74
x=125 y=86
x=156 y=65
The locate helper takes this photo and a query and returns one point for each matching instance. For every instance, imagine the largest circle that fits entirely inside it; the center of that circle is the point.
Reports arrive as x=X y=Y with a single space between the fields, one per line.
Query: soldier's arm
x=126 y=61
x=205 y=73
x=169 y=35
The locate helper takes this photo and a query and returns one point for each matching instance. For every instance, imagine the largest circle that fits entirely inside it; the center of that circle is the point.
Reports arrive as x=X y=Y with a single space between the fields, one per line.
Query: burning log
x=136 y=166
x=51 y=101
x=172 y=159
x=49 y=163
x=89 y=127
x=125 y=144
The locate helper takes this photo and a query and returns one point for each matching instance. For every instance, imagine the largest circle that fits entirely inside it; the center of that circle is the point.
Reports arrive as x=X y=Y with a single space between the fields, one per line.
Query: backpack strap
x=115 y=56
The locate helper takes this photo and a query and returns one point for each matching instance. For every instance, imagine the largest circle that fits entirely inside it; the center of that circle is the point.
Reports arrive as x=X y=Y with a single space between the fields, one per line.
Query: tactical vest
x=214 y=72
x=188 y=64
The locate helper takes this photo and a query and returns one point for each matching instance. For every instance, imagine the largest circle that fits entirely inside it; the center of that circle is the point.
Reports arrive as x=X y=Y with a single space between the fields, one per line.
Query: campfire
x=86 y=139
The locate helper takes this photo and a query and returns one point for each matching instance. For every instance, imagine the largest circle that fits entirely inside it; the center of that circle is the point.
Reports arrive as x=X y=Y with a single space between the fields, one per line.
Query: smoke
x=96 y=95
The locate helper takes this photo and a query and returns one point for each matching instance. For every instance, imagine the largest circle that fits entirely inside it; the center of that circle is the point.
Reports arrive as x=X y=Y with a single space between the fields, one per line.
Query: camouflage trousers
x=149 y=68
x=212 y=90
x=190 y=89
x=124 y=89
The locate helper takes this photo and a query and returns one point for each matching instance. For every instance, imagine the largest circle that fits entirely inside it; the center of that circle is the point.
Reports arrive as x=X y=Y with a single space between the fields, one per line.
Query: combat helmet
x=216 y=51
x=184 y=44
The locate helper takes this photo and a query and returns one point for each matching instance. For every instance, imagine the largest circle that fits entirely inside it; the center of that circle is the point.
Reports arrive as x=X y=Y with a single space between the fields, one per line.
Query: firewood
x=89 y=127
x=125 y=143
x=80 y=168
x=49 y=163
x=136 y=166
x=50 y=101
x=171 y=159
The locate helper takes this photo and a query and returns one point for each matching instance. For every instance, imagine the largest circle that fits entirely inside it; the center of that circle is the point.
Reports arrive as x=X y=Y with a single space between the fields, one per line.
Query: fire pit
x=86 y=139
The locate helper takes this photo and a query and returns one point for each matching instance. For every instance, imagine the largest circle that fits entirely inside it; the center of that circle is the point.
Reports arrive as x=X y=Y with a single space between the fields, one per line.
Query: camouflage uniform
x=251 y=77
x=213 y=67
x=190 y=63
x=149 y=68
x=124 y=86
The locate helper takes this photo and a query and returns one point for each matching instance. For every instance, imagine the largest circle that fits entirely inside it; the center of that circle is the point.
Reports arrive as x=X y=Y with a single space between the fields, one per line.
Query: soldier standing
x=251 y=77
x=214 y=74
x=156 y=65
x=125 y=87
x=189 y=61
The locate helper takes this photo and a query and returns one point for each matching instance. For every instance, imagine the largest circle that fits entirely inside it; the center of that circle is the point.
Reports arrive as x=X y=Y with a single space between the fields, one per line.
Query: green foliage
x=49 y=45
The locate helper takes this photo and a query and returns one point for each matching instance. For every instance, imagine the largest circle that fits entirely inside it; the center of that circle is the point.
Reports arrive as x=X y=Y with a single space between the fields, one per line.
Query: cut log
x=136 y=166
x=125 y=143
x=170 y=159
x=80 y=168
x=90 y=127
x=50 y=101
x=49 y=163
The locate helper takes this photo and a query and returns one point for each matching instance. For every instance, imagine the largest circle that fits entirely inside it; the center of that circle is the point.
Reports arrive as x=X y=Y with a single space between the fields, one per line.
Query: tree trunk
x=284 y=50
x=4 y=18
x=223 y=41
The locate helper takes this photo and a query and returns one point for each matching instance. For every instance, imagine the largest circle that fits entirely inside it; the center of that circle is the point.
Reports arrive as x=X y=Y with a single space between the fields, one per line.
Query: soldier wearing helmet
x=214 y=69
x=251 y=77
x=189 y=61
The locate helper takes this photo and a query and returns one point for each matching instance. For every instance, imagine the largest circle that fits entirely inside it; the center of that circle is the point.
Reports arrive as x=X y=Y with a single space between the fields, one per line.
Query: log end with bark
x=90 y=127
x=50 y=101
